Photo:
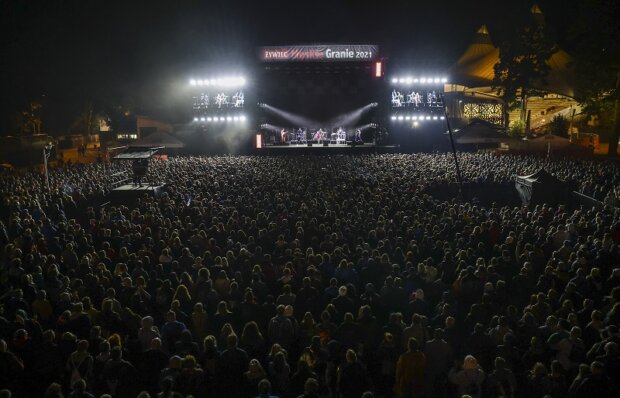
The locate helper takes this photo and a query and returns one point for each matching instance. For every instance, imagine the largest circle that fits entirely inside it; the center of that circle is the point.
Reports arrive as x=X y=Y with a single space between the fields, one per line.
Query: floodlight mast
x=47 y=151
x=456 y=159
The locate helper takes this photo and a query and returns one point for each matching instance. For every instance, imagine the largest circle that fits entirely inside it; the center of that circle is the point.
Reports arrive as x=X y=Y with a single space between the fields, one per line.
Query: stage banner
x=324 y=52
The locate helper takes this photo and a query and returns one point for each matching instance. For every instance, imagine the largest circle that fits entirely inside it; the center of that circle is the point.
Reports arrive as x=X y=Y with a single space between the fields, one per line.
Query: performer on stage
x=341 y=136
x=358 y=135
x=283 y=134
x=301 y=135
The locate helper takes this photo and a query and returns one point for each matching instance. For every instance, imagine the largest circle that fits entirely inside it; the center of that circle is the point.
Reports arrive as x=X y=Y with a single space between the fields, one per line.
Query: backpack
x=75 y=372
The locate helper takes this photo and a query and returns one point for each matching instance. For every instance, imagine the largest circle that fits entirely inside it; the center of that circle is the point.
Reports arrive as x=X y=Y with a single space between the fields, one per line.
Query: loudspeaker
x=325 y=143
x=309 y=144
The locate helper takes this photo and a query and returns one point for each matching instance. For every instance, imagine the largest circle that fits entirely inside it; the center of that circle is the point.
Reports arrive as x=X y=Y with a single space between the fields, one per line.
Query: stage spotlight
x=416 y=124
x=393 y=117
x=202 y=119
x=428 y=118
x=409 y=80
x=414 y=118
x=229 y=119
x=400 y=118
x=435 y=118
x=209 y=119
x=401 y=80
x=206 y=82
x=199 y=82
x=444 y=80
x=443 y=118
x=236 y=118
x=192 y=82
x=407 y=117
x=416 y=80
x=394 y=80
x=195 y=119
x=242 y=118
x=242 y=81
x=437 y=80
x=423 y=80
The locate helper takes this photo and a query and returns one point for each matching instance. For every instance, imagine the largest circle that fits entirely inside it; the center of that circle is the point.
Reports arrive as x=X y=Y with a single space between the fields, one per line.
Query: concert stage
x=271 y=149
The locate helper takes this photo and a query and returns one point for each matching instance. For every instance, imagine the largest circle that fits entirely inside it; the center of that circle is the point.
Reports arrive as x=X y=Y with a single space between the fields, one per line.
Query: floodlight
x=414 y=118
x=435 y=118
x=202 y=119
x=206 y=82
x=423 y=80
x=407 y=117
x=394 y=80
x=393 y=117
x=416 y=80
x=443 y=118
x=400 y=118
x=229 y=119
x=444 y=80
x=200 y=82
x=242 y=118
x=195 y=119
x=416 y=124
x=428 y=118
x=437 y=80
x=409 y=80
x=236 y=118
x=192 y=82
x=401 y=80
x=209 y=119
x=242 y=81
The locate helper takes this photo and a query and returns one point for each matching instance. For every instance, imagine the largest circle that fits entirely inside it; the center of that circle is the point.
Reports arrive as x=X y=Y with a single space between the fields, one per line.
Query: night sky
x=140 y=54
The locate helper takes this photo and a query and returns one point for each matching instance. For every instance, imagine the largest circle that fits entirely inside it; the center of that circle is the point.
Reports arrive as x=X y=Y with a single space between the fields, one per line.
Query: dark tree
x=522 y=67
x=596 y=38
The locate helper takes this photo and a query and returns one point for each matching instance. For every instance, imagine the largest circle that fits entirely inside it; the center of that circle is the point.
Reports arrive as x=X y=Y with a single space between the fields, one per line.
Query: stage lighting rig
x=234 y=81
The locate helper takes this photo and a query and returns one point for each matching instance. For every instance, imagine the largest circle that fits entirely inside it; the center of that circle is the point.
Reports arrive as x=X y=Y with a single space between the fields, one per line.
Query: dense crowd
x=308 y=276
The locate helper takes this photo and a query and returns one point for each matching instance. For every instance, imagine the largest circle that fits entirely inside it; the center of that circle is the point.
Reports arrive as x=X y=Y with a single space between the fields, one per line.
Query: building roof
x=159 y=139
x=481 y=46
x=475 y=68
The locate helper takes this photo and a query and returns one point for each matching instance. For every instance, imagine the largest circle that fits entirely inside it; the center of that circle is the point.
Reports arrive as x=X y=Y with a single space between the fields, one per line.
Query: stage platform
x=329 y=149
x=130 y=192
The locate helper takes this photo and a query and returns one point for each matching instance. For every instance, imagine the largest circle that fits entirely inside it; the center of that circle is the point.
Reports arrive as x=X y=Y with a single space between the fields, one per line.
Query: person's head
x=412 y=344
x=156 y=343
x=470 y=362
x=79 y=386
x=231 y=340
x=54 y=390
x=597 y=368
x=351 y=356
x=311 y=386
x=500 y=363
x=264 y=387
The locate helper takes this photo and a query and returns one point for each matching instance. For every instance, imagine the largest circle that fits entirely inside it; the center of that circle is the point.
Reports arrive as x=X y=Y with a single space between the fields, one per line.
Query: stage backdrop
x=323 y=52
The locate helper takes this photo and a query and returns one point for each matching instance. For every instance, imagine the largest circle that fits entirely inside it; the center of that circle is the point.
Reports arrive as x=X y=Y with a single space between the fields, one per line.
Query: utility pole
x=47 y=151
x=456 y=159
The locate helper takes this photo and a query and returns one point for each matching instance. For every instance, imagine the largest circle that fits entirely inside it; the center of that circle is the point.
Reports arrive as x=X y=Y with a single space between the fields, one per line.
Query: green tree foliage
x=596 y=38
x=516 y=129
x=559 y=126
